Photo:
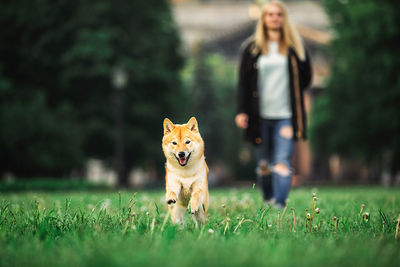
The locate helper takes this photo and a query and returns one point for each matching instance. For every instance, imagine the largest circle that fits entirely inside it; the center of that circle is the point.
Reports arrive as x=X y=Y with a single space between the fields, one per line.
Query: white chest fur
x=186 y=177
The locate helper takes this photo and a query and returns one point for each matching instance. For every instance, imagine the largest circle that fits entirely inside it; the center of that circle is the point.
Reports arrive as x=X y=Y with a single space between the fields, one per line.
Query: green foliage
x=358 y=114
x=56 y=99
x=49 y=185
x=211 y=83
x=129 y=229
x=35 y=136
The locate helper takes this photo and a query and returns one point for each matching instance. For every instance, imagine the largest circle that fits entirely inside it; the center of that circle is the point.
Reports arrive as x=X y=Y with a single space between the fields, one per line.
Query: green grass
x=132 y=229
x=50 y=185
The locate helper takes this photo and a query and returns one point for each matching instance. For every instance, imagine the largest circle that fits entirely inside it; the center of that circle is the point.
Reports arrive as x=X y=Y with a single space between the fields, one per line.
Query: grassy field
x=133 y=229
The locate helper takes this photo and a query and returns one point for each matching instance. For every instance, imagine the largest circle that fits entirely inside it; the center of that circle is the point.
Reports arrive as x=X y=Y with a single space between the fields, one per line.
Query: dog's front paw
x=171 y=198
x=171 y=201
x=194 y=211
x=194 y=206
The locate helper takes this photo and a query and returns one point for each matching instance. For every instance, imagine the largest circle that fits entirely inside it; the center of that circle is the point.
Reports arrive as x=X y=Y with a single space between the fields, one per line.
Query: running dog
x=186 y=176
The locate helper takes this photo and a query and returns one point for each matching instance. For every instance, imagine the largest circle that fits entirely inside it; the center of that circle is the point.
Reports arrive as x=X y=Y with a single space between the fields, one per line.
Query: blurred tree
x=56 y=58
x=205 y=104
x=211 y=82
x=359 y=113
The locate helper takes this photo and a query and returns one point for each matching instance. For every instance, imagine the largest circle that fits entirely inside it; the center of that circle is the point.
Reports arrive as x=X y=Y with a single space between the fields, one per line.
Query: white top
x=273 y=84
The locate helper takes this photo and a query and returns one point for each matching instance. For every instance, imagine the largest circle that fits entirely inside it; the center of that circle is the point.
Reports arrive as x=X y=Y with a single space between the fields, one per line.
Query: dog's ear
x=168 y=126
x=192 y=125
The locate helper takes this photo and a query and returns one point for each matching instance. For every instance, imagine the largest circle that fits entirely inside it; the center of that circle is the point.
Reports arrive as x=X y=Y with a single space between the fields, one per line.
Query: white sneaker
x=270 y=202
x=278 y=206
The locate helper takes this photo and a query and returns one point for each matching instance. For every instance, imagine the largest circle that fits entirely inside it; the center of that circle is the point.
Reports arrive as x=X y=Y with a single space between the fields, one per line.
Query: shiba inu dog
x=186 y=171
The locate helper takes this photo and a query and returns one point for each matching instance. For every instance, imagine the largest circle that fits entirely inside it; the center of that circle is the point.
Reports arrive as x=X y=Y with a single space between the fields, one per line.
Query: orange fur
x=186 y=176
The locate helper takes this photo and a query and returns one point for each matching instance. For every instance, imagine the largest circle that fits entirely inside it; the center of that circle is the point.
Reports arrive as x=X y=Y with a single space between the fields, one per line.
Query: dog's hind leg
x=199 y=217
x=178 y=213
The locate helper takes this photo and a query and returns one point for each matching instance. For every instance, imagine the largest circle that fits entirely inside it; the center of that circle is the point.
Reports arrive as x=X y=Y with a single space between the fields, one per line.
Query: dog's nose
x=181 y=154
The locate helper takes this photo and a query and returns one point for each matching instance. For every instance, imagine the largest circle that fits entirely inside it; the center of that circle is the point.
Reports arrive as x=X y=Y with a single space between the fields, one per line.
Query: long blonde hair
x=289 y=34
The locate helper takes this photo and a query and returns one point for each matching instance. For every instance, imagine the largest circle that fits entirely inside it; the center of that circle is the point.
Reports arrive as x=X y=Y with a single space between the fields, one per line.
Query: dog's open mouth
x=183 y=161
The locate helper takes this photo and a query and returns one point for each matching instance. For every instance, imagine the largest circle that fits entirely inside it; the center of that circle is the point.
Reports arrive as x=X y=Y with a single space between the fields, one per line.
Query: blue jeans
x=276 y=148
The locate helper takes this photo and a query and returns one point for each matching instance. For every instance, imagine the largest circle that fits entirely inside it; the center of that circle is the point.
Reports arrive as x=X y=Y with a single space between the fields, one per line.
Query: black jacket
x=248 y=101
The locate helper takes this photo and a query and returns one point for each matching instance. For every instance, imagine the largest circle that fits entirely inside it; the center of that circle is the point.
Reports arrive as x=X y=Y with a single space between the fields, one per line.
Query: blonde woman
x=274 y=71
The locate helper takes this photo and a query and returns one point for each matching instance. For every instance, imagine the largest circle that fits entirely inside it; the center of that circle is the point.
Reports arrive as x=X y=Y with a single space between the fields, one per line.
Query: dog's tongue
x=182 y=160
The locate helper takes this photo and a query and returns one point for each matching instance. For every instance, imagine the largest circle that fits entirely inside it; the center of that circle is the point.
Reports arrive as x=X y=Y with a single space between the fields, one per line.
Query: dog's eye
x=174 y=143
x=188 y=141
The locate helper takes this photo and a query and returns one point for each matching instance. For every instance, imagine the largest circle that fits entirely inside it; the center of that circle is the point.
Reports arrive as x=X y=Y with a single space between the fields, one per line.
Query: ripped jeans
x=275 y=153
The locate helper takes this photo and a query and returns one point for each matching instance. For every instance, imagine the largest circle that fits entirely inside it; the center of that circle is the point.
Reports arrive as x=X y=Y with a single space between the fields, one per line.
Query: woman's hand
x=241 y=120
